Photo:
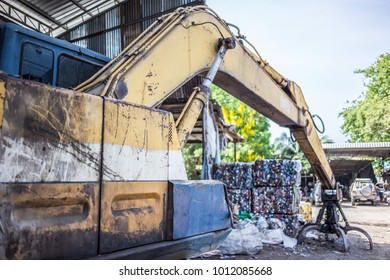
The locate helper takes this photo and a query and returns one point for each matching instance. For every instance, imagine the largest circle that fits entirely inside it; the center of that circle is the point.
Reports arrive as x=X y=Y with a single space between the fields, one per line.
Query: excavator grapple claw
x=328 y=225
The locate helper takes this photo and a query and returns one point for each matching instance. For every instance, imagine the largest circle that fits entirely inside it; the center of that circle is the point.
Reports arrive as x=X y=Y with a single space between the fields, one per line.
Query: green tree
x=284 y=147
x=367 y=118
x=249 y=124
x=192 y=155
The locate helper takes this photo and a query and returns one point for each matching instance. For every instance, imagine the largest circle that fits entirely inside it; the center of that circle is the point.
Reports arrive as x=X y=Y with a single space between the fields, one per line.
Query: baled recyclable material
x=275 y=200
x=234 y=175
x=266 y=188
x=241 y=198
x=276 y=172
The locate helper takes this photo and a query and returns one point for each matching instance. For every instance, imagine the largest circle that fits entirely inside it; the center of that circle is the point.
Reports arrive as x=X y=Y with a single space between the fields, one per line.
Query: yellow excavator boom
x=98 y=172
x=184 y=44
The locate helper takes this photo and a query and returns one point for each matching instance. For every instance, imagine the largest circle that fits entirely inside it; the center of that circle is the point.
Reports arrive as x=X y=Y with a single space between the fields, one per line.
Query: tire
x=366 y=191
x=353 y=202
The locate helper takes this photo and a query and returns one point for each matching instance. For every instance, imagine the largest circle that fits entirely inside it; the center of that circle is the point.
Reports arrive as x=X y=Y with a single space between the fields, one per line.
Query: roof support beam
x=81 y=7
x=13 y=13
x=40 y=13
x=89 y=10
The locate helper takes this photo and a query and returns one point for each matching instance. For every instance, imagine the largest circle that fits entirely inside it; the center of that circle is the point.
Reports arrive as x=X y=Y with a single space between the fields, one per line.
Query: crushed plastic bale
x=234 y=175
x=275 y=200
x=241 y=198
x=276 y=172
x=267 y=188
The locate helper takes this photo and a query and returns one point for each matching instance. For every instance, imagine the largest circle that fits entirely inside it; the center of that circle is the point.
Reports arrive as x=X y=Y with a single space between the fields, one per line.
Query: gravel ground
x=374 y=220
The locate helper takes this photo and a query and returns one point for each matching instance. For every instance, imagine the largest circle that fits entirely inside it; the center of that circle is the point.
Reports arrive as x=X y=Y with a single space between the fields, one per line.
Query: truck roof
x=55 y=41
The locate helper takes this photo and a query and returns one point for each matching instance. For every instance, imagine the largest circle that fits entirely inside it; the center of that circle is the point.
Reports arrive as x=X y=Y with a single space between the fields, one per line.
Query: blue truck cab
x=35 y=56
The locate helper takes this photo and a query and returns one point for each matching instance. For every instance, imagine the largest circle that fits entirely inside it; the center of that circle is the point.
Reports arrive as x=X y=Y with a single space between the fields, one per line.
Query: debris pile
x=248 y=237
x=245 y=239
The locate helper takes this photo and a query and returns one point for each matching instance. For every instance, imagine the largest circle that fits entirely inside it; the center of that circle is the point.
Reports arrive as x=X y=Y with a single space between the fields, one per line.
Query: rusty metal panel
x=49 y=134
x=48 y=221
x=135 y=151
x=196 y=207
x=132 y=214
x=50 y=155
x=135 y=142
x=171 y=250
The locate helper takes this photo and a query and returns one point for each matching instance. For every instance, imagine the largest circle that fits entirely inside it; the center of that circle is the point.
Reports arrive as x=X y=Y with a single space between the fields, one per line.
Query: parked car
x=386 y=197
x=363 y=190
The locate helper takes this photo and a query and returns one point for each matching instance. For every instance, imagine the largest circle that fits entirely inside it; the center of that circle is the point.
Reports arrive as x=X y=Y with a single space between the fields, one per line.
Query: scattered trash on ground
x=244 y=239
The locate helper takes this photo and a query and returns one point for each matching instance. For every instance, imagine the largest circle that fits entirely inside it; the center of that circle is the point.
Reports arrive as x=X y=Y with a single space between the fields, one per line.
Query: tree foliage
x=284 y=147
x=250 y=124
x=192 y=155
x=368 y=117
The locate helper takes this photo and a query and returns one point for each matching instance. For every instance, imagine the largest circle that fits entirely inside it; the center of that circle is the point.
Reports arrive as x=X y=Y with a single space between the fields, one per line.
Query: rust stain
x=62 y=218
x=133 y=213
x=2 y=101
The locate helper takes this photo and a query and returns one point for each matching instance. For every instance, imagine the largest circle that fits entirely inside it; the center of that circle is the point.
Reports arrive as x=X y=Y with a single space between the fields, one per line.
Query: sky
x=317 y=44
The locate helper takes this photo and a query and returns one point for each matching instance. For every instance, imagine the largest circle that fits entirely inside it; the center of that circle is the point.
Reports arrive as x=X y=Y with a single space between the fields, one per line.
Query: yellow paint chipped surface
x=139 y=127
x=2 y=98
x=132 y=213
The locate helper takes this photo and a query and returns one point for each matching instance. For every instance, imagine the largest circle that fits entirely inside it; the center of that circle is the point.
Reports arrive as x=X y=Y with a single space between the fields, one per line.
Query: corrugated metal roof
x=346 y=170
x=110 y=31
x=357 y=145
x=373 y=149
x=53 y=17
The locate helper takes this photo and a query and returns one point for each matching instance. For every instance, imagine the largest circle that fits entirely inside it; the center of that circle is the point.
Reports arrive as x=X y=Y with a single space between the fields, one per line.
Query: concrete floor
x=364 y=213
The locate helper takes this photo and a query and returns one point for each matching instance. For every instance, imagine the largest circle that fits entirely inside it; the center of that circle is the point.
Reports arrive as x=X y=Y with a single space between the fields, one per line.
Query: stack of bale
x=238 y=178
x=267 y=188
x=276 y=191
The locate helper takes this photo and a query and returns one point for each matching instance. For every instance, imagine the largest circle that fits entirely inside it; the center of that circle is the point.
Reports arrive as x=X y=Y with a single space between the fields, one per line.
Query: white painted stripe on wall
x=133 y=164
x=26 y=160
x=177 y=170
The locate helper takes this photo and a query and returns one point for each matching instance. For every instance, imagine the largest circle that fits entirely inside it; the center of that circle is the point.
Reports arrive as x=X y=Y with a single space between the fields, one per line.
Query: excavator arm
x=101 y=175
x=190 y=42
